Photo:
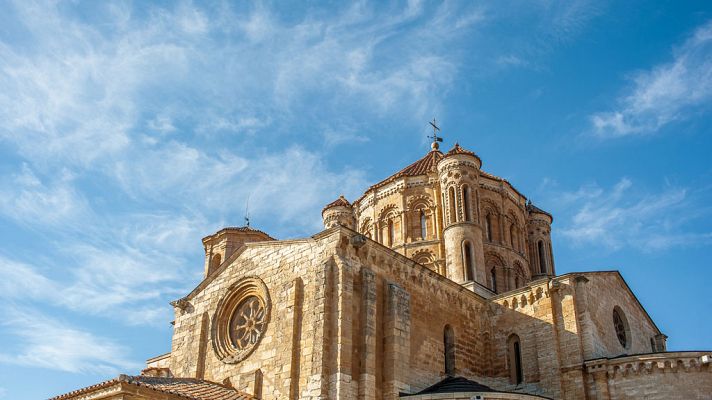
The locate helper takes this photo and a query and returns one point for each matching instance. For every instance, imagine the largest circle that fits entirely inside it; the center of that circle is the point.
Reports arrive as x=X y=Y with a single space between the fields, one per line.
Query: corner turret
x=541 y=253
x=339 y=212
x=459 y=172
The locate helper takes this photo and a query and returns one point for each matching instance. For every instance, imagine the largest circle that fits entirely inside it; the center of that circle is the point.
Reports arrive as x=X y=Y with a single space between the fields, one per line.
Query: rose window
x=240 y=320
x=247 y=323
x=620 y=324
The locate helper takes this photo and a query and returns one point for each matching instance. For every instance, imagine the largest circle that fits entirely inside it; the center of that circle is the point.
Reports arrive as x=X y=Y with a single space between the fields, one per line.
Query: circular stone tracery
x=247 y=323
x=240 y=320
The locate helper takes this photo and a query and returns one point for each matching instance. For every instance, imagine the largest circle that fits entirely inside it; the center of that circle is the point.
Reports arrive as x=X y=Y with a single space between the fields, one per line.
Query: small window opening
x=493 y=278
x=453 y=209
x=449 y=342
x=423 y=225
x=542 y=257
x=516 y=373
x=466 y=203
x=488 y=227
x=467 y=258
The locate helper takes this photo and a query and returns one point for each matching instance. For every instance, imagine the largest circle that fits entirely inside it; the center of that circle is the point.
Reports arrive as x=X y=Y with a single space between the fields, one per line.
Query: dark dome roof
x=455 y=384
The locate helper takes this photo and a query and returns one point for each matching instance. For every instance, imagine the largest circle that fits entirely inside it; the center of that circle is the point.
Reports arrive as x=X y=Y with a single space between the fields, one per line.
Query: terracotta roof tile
x=534 y=209
x=340 y=202
x=457 y=149
x=239 y=229
x=421 y=167
x=189 y=388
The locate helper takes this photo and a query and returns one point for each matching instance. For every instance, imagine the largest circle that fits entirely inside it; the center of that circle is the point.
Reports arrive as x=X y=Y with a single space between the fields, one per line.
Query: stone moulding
x=246 y=291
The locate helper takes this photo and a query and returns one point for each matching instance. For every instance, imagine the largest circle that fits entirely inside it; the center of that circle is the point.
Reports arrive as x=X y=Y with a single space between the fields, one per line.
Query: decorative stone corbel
x=554 y=285
x=358 y=240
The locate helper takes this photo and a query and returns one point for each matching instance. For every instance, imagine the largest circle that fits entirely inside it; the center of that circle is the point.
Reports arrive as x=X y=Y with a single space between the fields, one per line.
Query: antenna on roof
x=435 y=136
x=247 y=211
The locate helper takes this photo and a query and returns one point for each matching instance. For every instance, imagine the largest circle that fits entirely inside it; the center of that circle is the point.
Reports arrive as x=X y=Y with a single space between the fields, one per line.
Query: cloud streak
x=52 y=344
x=621 y=217
x=664 y=94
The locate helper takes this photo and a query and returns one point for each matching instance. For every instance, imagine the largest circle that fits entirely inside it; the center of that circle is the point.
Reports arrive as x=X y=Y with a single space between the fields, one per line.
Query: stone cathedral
x=439 y=282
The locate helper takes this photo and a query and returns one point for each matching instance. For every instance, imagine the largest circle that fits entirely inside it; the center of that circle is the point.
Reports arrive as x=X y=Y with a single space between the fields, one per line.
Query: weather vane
x=435 y=136
x=247 y=211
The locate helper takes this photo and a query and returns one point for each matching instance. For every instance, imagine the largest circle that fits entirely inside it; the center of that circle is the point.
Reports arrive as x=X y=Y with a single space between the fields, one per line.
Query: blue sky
x=128 y=131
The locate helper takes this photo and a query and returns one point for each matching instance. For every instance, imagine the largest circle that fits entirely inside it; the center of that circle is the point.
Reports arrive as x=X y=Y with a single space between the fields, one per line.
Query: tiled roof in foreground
x=183 y=388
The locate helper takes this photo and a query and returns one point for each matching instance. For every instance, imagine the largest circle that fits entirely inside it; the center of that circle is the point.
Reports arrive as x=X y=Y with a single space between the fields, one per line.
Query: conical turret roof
x=340 y=202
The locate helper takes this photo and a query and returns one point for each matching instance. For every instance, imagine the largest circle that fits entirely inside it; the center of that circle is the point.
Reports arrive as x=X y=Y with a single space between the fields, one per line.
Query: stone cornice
x=679 y=361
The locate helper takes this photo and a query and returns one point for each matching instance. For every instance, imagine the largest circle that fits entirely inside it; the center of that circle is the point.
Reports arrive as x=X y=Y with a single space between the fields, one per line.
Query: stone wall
x=290 y=360
x=599 y=293
x=528 y=313
x=561 y=323
x=402 y=309
x=350 y=318
x=660 y=376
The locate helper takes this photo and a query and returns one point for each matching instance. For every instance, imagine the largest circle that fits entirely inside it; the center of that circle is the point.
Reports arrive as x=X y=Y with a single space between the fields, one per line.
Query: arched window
x=466 y=203
x=391 y=232
x=514 y=355
x=453 y=209
x=493 y=279
x=488 y=227
x=516 y=282
x=513 y=237
x=449 y=347
x=542 y=257
x=467 y=260
x=423 y=225
x=652 y=345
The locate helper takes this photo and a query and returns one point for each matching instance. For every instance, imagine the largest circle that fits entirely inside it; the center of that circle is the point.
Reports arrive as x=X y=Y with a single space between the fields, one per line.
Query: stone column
x=295 y=309
x=367 y=378
x=342 y=345
x=396 y=362
x=600 y=378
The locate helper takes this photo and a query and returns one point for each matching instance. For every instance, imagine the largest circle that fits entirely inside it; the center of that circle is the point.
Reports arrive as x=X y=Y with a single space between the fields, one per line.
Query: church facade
x=438 y=282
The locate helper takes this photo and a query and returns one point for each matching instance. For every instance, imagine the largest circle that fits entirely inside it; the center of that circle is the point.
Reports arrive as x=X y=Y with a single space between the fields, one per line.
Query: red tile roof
x=340 y=202
x=240 y=229
x=457 y=149
x=188 y=388
x=534 y=209
x=421 y=167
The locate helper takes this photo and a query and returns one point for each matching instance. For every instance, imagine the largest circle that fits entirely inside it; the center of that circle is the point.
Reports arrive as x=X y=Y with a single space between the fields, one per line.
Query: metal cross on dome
x=435 y=136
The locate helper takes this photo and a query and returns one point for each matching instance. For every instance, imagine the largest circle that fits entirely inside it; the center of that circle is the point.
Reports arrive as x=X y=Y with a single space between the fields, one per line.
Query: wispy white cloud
x=666 y=93
x=46 y=342
x=28 y=200
x=22 y=281
x=620 y=217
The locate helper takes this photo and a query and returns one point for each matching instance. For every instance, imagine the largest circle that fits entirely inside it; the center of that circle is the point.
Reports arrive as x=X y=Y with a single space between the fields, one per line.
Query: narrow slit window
x=542 y=257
